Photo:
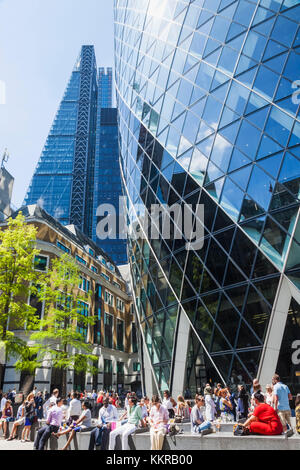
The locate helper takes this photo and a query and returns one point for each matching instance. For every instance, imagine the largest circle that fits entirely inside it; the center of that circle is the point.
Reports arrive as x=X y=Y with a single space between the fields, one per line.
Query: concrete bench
x=219 y=441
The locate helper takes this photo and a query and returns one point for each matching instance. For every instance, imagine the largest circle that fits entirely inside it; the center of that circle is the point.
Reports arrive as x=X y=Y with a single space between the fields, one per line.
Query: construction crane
x=5 y=158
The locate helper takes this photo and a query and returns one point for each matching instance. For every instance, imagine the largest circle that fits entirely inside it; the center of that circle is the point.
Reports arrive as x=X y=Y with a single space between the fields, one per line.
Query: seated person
x=134 y=417
x=198 y=423
x=7 y=416
x=159 y=418
x=19 y=421
x=84 y=422
x=108 y=414
x=264 y=419
x=53 y=423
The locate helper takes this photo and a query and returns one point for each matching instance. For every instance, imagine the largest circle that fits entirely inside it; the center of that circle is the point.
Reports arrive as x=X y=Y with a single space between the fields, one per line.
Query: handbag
x=239 y=431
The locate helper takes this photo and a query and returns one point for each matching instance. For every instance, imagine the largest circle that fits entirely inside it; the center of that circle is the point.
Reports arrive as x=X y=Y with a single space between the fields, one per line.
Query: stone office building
x=113 y=334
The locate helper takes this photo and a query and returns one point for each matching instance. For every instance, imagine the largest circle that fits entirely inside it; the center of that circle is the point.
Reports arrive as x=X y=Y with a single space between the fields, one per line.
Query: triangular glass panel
x=272 y=164
x=259 y=118
x=241 y=177
x=267 y=147
x=230 y=132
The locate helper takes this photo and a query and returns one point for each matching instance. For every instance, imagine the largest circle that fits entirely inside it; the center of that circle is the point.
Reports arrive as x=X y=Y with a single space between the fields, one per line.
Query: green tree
x=64 y=330
x=17 y=280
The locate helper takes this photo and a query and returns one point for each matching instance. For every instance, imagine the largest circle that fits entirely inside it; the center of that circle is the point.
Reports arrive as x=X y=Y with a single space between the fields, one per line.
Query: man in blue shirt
x=282 y=396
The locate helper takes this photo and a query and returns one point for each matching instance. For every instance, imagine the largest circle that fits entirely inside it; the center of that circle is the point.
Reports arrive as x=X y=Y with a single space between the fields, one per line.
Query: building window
x=82 y=309
x=120 y=305
x=109 y=298
x=116 y=284
x=108 y=330
x=134 y=339
x=97 y=327
x=120 y=334
x=63 y=247
x=35 y=303
x=95 y=270
x=80 y=260
x=40 y=263
x=136 y=367
x=107 y=278
x=108 y=370
x=85 y=284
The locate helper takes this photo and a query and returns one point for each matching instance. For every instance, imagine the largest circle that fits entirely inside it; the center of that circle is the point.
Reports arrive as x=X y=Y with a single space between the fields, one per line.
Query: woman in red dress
x=264 y=419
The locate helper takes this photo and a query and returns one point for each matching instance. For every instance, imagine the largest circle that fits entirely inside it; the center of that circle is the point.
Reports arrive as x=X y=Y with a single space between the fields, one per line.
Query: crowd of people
x=260 y=412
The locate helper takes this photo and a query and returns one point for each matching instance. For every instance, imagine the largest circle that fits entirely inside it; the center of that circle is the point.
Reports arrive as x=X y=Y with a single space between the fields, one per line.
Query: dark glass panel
x=263 y=267
x=228 y=319
x=209 y=210
x=212 y=302
x=257 y=313
x=194 y=270
x=268 y=288
x=225 y=238
x=246 y=338
x=251 y=360
x=237 y=296
x=190 y=309
x=222 y=220
x=216 y=261
x=203 y=325
x=176 y=276
x=187 y=290
x=243 y=252
x=223 y=363
x=207 y=283
x=233 y=275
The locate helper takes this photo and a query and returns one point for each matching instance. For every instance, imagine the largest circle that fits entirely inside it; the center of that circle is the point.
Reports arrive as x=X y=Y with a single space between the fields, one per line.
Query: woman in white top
x=269 y=398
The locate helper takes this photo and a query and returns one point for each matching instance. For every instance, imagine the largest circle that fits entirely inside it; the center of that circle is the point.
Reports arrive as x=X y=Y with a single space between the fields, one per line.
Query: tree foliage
x=64 y=329
x=17 y=255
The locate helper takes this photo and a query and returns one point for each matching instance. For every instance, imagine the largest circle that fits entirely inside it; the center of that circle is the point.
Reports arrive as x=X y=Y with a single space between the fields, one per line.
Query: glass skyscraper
x=208 y=115
x=70 y=179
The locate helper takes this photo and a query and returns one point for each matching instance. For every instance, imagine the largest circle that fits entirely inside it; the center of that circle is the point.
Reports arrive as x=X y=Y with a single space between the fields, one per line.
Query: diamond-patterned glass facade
x=207 y=115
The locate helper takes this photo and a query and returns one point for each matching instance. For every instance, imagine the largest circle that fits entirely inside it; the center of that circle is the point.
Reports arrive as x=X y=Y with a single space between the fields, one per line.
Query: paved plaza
x=15 y=445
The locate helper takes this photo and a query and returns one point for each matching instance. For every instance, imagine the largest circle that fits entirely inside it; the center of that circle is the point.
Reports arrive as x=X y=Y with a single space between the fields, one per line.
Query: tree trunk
x=64 y=384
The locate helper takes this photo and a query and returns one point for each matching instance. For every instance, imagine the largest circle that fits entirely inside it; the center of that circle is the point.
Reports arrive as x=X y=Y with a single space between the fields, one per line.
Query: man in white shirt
x=74 y=410
x=99 y=436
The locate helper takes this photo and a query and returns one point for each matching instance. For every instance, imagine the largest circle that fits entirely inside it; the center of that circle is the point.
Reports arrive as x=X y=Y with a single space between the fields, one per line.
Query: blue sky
x=39 y=43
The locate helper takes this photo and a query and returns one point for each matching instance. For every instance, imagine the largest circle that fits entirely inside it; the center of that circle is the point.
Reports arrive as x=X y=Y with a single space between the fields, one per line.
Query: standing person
x=269 y=397
x=29 y=417
x=38 y=399
x=297 y=412
x=158 y=418
x=282 y=396
x=243 y=403
x=169 y=404
x=7 y=416
x=84 y=422
x=53 y=423
x=54 y=396
x=256 y=387
x=210 y=407
x=74 y=410
x=198 y=422
x=134 y=418
x=19 y=421
x=264 y=419
x=108 y=414
x=3 y=401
